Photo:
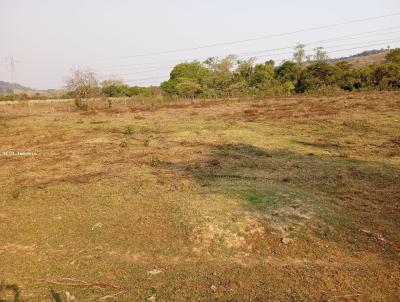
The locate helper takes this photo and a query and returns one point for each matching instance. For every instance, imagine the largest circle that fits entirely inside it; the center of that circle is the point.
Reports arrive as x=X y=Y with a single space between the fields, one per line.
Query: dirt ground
x=279 y=199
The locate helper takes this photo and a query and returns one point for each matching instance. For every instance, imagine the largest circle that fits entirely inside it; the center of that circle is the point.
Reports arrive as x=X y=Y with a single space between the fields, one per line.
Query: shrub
x=15 y=192
x=129 y=130
x=393 y=56
x=318 y=76
x=386 y=76
x=154 y=161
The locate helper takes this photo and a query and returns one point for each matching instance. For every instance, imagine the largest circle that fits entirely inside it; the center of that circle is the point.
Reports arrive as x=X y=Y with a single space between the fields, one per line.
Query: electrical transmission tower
x=10 y=63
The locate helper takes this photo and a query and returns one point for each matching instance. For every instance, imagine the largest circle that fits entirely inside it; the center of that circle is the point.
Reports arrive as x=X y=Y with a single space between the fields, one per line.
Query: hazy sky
x=49 y=37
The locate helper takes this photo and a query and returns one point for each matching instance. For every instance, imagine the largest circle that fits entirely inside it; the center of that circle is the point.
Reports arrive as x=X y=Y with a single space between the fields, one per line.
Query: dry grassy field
x=280 y=199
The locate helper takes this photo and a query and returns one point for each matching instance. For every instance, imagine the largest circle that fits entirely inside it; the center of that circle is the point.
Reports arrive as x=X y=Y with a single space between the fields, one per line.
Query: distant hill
x=7 y=88
x=365 y=58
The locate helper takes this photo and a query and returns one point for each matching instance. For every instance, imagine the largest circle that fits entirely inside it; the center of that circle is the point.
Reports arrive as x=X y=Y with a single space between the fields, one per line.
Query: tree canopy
x=233 y=77
x=230 y=76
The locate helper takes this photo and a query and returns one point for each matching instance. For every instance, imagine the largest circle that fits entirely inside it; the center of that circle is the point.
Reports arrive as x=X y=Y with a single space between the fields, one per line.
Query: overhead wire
x=250 y=39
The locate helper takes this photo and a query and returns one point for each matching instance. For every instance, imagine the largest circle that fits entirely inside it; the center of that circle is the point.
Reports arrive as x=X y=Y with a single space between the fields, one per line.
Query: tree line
x=234 y=77
x=231 y=77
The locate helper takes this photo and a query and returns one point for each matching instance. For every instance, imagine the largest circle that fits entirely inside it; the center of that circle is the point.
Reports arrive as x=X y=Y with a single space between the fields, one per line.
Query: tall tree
x=299 y=54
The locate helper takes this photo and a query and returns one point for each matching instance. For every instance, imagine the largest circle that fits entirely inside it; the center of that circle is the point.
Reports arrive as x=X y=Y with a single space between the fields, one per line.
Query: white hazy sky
x=49 y=37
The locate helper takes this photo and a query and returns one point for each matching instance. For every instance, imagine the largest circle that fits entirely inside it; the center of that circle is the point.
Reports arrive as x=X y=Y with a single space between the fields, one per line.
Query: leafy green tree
x=288 y=71
x=386 y=76
x=288 y=87
x=245 y=69
x=192 y=70
x=263 y=74
x=348 y=77
x=136 y=90
x=270 y=62
x=114 y=87
x=239 y=88
x=188 y=88
x=184 y=77
x=142 y=91
x=318 y=76
x=393 y=56
x=116 y=90
x=219 y=82
x=169 y=87
x=209 y=92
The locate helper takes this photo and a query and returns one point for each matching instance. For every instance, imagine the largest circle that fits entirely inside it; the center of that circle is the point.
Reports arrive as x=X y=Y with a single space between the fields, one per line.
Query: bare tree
x=299 y=54
x=83 y=84
x=226 y=64
x=320 y=54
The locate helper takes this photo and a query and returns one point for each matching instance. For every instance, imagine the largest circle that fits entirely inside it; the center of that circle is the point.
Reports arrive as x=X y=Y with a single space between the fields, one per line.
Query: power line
x=329 y=47
x=255 y=39
x=312 y=43
x=249 y=40
x=140 y=71
x=273 y=54
x=334 y=51
x=138 y=80
x=149 y=78
x=353 y=48
x=366 y=34
x=381 y=31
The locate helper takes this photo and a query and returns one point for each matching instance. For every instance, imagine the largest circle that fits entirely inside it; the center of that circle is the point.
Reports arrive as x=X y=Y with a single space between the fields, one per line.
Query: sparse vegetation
x=15 y=192
x=244 y=200
x=168 y=151
x=154 y=161
x=129 y=130
x=123 y=144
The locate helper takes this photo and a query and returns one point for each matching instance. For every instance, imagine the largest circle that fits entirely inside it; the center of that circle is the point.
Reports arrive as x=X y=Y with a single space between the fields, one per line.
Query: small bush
x=123 y=144
x=15 y=192
x=129 y=130
x=154 y=161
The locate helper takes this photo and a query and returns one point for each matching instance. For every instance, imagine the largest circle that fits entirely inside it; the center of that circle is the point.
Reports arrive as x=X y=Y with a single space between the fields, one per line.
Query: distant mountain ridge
x=365 y=58
x=7 y=88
